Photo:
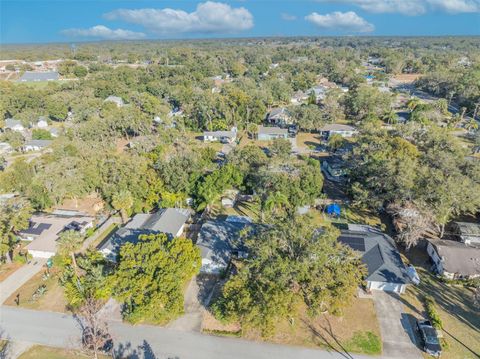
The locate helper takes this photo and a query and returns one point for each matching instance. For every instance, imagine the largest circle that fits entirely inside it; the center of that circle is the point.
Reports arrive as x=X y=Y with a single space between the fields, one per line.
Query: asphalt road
x=61 y=330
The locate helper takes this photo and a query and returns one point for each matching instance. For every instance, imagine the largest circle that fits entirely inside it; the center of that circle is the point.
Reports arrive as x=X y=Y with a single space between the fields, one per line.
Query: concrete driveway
x=398 y=337
x=18 y=278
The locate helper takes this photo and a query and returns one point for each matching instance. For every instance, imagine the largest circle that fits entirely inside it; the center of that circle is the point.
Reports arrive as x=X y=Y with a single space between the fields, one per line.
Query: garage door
x=387 y=287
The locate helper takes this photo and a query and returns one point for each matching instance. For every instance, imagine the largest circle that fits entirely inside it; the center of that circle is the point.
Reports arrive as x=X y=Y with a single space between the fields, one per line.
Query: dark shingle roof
x=379 y=254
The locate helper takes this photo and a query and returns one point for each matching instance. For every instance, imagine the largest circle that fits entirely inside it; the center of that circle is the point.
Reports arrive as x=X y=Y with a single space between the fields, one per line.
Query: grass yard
x=110 y=229
x=249 y=209
x=454 y=304
x=43 y=352
x=52 y=300
x=357 y=331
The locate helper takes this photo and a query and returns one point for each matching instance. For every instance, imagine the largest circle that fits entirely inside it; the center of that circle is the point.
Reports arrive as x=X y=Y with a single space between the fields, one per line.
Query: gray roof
x=30 y=76
x=38 y=143
x=272 y=130
x=278 y=113
x=167 y=220
x=337 y=127
x=10 y=123
x=217 y=239
x=116 y=99
x=379 y=254
x=229 y=134
x=468 y=228
x=457 y=257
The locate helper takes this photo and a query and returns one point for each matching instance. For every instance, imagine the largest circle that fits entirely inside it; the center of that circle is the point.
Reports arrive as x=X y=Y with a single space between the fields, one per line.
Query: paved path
x=18 y=278
x=397 y=334
x=61 y=330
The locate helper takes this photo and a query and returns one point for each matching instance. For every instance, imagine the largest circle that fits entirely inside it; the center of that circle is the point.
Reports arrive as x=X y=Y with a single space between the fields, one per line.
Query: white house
x=454 y=260
x=5 y=148
x=36 y=145
x=116 y=100
x=42 y=123
x=14 y=125
x=220 y=136
x=339 y=129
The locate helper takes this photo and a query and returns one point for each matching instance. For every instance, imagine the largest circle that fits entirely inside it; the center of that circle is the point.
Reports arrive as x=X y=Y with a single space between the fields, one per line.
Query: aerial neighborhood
x=304 y=197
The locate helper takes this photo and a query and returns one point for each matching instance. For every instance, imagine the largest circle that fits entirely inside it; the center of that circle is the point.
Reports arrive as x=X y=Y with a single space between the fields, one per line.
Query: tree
x=96 y=337
x=14 y=217
x=275 y=202
x=151 y=277
x=281 y=148
x=289 y=263
x=335 y=141
x=69 y=242
x=122 y=201
x=41 y=134
x=80 y=71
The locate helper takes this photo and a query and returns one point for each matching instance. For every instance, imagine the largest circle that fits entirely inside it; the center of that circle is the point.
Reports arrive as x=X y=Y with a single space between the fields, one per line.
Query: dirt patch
x=407 y=78
x=92 y=204
x=7 y=269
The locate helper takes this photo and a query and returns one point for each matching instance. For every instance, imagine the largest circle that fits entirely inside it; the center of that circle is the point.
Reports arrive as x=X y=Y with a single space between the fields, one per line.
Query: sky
x=36 y=21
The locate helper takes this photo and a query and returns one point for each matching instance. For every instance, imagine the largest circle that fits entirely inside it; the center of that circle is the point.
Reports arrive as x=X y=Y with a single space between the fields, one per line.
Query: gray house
x=219 y=241
x=32 y=76
x=386 y=270
x=13 y=125
x=271 y=133
x=467 y=232
x=279 y=117
x=36 y=145
x=171 y=221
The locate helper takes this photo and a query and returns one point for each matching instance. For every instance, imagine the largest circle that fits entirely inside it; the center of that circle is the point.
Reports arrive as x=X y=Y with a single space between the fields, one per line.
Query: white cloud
x=288 y=17
x=341 y=21
x=103 y=32
x=209 y=17
x=412 y=7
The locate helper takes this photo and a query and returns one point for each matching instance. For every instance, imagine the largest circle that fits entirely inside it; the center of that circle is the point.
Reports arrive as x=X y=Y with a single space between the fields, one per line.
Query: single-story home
x=219 y=241
x=467 y=232
x=298 y=98
x=44 y=230
x=271 y=133
x=171 y=221
x=116 y=100
x=220 y=136
x=454 y=260
x=338 y=129
x=36 y=145
x=32 y=76
x=279 y=116
x=42 y=122
x=386 y=270
x=14 y=125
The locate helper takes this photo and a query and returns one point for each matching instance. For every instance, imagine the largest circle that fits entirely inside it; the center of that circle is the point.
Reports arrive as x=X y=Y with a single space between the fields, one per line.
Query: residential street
x=18 y=278
x=61 y=330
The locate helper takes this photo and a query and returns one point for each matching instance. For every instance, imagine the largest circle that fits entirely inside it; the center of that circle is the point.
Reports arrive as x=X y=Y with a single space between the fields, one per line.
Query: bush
x=21 y=258
x=432 y=312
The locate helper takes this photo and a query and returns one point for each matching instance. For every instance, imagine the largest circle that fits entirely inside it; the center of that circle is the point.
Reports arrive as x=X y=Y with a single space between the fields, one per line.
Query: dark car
x=429 y=336
x=292 y=130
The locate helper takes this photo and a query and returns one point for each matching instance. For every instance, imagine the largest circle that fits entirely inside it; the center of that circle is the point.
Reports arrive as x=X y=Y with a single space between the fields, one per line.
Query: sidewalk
x=18 y=278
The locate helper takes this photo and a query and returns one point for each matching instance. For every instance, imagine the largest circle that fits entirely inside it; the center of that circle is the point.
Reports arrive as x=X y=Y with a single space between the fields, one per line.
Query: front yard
x=43 y=352
x=40 y=293
x=357 y=331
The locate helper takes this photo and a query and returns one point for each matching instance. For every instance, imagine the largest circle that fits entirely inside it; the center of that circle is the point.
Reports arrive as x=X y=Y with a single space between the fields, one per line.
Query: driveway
x=397 y=334
x=18 y=278
x=145 y=341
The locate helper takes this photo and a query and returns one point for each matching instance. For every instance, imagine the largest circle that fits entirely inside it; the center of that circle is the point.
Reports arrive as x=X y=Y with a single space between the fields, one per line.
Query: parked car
x=431 y=344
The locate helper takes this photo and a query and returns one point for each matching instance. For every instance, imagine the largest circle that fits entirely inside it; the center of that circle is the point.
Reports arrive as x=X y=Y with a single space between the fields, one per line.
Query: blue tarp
x=333 y=209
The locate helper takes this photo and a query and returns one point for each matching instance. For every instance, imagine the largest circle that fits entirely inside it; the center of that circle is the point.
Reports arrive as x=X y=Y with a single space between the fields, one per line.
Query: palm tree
x=471 y=125
x=391 y=117
x=69 y=242
x=412 y=103
x=275 y=201
x=122 y=201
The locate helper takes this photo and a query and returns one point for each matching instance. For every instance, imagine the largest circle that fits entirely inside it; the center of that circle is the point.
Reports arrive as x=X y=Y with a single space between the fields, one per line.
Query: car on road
x=428 y=334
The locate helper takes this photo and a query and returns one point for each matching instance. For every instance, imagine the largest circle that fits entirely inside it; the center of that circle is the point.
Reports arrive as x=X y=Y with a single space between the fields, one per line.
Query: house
x=334 y=168
x=44 y=230
x=36 y=145
x=385 y=269
x=454 y=260
x=54 y=131
x=271 y=133
x=279 y=117
x=298 y=98
x=219 y=241
x=5 y=148
x=42 y=122
x=171 y=221
x=229 y=198
x=220 y=136
x=338 y=129
x=32 y=76
x=467 y=232
x=116 y=100
x=319 y=91
x=13 y=125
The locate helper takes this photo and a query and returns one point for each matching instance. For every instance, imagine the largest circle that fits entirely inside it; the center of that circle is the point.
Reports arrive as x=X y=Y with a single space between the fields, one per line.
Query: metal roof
x=272 y=130
x=31 y=76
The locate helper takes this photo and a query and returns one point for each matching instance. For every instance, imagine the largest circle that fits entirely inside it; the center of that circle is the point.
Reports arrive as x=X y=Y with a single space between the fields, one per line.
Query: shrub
x=432 y=312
